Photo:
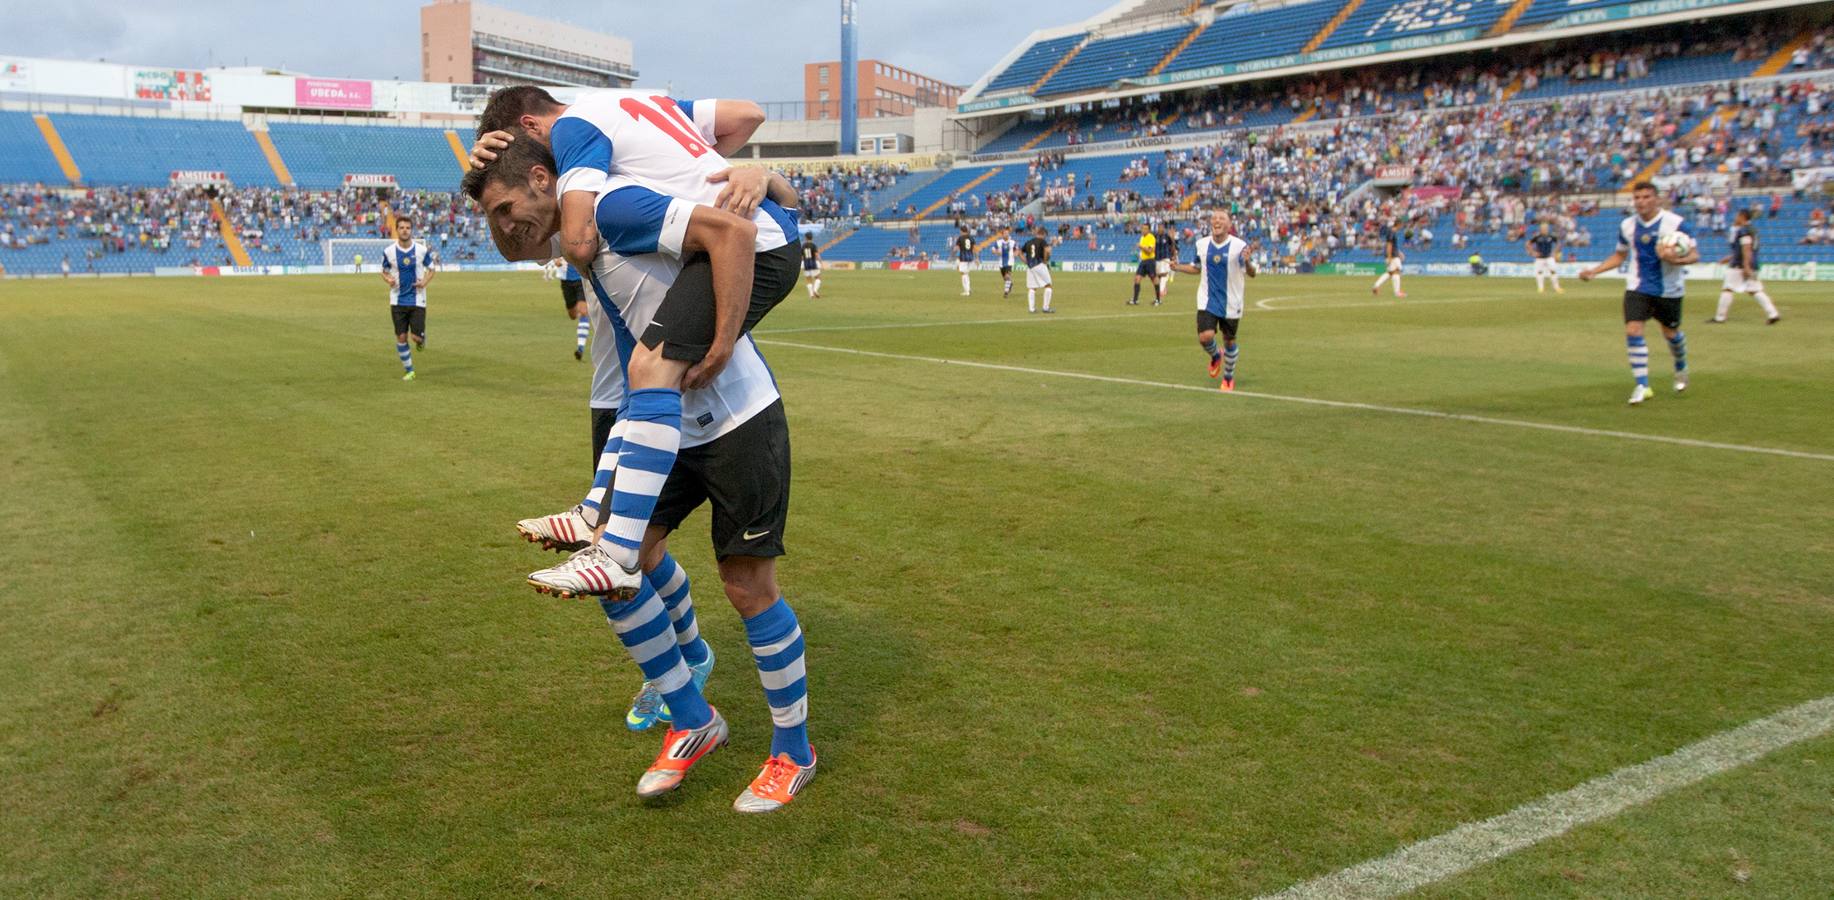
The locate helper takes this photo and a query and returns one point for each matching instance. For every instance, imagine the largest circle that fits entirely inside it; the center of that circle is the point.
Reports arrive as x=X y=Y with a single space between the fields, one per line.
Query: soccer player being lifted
x=1544 y=248
x=733 y=448
x=1223 y=262
x=638 y=169
x=407 y=266
x=1742 y=271
x=1656 y=281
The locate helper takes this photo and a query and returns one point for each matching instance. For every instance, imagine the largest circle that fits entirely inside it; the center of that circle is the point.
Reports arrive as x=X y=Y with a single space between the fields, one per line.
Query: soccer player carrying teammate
x=407 y=266
x=1148 y=268
x=811 y=266
x=1004 y=247
x=1037 y=253
x=638 y=170
x=1223 y=261
x=734 y=451
x=1656 y=283
x=1391 y=250
x=1544 y=248
x=574 y=296
x=964 y=257
x=1165 y=253
x=1742 y=271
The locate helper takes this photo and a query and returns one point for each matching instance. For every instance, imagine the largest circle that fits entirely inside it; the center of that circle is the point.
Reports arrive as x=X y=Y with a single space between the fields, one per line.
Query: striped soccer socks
x=670 y=581
x=1229 y=357
x=608 y=467
x=776 y=644
x=652 y=437
x=644 y=629
x=581 y=332
x=407 y=357
x=1678 y=347
x=1638 y=350
x=1210 y=348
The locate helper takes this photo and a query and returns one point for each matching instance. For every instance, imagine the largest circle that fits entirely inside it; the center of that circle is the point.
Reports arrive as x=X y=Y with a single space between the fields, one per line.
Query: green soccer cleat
x=408 y=377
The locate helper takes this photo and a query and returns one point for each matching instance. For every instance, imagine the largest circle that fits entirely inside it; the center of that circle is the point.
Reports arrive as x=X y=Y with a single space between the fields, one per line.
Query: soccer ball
x=1677 y=243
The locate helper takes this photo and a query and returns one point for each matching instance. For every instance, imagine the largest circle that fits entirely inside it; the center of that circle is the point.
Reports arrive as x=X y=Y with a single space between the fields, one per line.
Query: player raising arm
x=1223 y=261
x=1659 y=245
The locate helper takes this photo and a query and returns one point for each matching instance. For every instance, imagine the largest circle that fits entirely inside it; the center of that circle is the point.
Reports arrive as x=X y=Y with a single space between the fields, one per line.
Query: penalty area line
x=1315 y=401
x=1475 y=843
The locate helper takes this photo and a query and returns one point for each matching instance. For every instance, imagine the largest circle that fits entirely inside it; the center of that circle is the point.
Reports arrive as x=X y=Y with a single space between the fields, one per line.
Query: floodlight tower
x=850 y=88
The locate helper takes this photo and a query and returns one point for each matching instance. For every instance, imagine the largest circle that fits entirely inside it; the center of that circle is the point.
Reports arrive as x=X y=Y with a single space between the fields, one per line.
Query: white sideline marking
x=1261 y=305
x=1335 y=404
x=1476 y=843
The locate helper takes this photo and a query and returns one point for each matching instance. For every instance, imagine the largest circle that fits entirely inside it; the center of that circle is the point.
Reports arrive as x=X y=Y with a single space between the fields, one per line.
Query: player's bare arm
x=734 y=122
x=728 y=241
x=579 y=235
x=1186 y=268
x=1611 y=262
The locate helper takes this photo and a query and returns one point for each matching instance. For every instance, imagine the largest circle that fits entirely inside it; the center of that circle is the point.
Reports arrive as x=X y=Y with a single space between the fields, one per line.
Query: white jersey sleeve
x=700 y=112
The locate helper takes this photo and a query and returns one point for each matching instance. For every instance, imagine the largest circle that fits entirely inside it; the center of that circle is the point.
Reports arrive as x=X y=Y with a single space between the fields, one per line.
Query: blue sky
x=722 y=48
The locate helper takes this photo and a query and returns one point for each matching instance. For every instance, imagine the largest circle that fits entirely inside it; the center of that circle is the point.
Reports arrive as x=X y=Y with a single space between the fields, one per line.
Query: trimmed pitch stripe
x=1474 y=844
x=1314 y=401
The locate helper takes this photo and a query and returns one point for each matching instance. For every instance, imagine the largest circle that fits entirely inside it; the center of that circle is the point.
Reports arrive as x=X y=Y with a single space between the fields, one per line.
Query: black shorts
x=1641 y=307
x=688 y=306
x=602 y=420
x=746 y=473
x=573 y=293
x=409 y=319
x=1208 y=322
x=1147 y=269
x=1006 y=272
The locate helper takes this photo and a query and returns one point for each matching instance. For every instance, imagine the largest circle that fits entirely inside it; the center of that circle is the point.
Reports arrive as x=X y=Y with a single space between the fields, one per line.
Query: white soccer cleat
x=589 y=573
x=565 y=532
x=1681 y=381
x=1641 y=394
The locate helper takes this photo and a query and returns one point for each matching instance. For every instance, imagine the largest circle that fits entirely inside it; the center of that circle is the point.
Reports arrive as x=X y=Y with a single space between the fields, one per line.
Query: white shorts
x=1164 y=267
x=1737 y=283
x=1037 y=277
x=1394 y=266
x=963 y=267
x=1544 y=265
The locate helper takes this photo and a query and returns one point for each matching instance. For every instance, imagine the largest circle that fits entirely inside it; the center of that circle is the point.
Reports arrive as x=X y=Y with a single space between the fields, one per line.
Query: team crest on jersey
x=1216 y=260
x=1649 y=239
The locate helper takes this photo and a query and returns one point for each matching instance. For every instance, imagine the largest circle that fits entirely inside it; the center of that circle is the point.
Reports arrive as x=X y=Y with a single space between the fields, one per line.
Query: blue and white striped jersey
x=408 y=264
x=1223 y=278
x=626 y=293
x=1004 y=248
x=1647 y=273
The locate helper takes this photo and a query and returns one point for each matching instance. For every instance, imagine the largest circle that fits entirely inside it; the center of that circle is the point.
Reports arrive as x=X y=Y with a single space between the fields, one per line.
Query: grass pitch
x=265 y=629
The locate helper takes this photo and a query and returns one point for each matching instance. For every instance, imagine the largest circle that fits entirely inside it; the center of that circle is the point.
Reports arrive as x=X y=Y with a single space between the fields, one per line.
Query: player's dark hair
x=510 y=169
x=401 y=219
x=1744 y=214
x=1643 y=186
x=506 y=106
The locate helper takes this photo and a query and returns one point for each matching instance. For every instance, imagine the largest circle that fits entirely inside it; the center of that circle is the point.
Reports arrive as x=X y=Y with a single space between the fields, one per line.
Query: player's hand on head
x=746 y=187
x=709 y=366
x=485 y=151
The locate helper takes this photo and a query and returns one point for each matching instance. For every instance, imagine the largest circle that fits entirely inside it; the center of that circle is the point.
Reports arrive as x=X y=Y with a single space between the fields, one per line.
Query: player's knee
x=655 y=547
x=750 y=583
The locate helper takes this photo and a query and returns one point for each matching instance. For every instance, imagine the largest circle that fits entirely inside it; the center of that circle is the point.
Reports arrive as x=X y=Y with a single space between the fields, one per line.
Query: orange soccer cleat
x=680 y=751
x=776 y=784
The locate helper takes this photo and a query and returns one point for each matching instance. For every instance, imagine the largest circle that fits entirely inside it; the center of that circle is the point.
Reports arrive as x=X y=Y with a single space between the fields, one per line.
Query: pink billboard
x=330 y=93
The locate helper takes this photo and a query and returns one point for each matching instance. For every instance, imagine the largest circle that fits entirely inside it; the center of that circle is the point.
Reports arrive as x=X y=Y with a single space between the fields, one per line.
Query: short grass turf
x=266 y=631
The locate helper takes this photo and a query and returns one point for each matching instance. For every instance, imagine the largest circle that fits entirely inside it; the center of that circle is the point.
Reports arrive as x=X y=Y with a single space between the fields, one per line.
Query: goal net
x=343 y=253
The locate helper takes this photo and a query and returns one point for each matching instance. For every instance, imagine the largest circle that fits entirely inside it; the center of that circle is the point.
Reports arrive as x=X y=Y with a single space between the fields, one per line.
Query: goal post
x=341 y=253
